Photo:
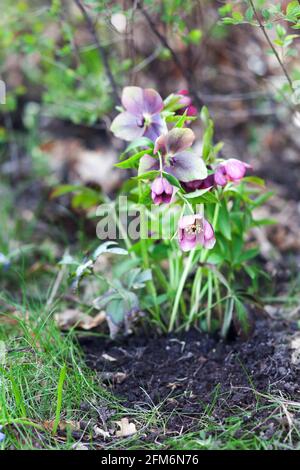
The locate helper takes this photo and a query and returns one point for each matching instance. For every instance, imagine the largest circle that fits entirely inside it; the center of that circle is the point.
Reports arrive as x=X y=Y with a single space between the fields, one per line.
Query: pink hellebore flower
x=141 y=117
x=231 y=170
x=195 y=230
x=176 y=159
x=161 y=191
x=187 y=105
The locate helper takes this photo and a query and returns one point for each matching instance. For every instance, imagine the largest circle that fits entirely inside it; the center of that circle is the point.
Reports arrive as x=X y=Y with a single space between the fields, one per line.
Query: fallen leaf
x=126 y=428
x=100 y=432
x=71 y=317
x=82 y=164
x=116 y=377
x=109 y=358
x=295 y=346
x=79 y=446
x=63 y=425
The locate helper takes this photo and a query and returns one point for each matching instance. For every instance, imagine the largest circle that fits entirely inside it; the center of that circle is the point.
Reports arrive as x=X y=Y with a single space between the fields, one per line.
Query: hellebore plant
x=192 y=256
x=211 y=200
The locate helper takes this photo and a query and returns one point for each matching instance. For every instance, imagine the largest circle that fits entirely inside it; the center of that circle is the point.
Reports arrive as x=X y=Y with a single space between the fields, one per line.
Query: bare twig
x=271 y=45
x=185 y=73
x=101 y=50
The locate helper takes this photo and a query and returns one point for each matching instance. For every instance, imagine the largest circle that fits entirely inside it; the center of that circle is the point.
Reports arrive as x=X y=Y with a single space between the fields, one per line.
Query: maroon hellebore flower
x=195 y=230
x=175 y=159
x=231 y=170
x=187 y=105
x=206 y=183
x=141 y=116
x=161 y=191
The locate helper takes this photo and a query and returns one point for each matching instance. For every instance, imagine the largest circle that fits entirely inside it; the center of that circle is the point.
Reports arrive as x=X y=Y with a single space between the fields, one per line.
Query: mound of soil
x=187 y=373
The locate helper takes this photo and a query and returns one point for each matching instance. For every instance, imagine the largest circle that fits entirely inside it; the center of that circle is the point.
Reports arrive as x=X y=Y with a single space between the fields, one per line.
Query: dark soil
x=188 y=373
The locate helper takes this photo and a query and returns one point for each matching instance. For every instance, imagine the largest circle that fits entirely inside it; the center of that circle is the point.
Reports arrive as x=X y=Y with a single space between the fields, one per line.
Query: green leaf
x=254 y=180
x=207 y=140
x=204 y=115
x=249 y=14
x=241 y=314
x=248 y=254
x=131 y=161
x=266 y=14
x=280 y=30
x=225 y=9
x=140 y=142
x=86 y=198
x=194 y=36
x=237 y=16
x=206 y=198
x=172 y=180
x=197 y=193
x=65 y=189
x=223 y=223
x=148 y=175
x=293 y=9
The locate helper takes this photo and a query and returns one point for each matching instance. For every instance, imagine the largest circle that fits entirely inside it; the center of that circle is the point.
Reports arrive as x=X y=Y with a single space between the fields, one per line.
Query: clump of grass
x=43 y=382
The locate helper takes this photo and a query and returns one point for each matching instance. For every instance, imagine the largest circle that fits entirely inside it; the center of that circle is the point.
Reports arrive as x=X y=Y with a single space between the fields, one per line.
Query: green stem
x=209 y=301
x=180 y=289
x=146 y=265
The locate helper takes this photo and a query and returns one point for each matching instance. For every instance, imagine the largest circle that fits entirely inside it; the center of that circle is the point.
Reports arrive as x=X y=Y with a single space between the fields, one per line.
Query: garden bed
x=193 y=373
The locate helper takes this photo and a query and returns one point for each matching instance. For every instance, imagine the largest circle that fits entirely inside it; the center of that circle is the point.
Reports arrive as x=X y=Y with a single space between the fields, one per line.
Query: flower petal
x=186 y=220
x=125 y=126
x=133 y=100
x=175 y=141
x=235 y=169
x=220 y=175
x=186 y=166
x=156 y=128
x=147 y=163
x=209 y=235
x=187 y=243
x=158 y=185
x=153 y=102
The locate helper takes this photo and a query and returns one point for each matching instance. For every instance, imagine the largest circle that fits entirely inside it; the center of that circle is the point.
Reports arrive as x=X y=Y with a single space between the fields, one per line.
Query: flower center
x=193 y=229
x=147 y=119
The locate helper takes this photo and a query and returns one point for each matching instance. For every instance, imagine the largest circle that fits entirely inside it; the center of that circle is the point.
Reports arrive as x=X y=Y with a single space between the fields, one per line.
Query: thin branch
x=271 y=45
x=101 y=50
x=175 y=58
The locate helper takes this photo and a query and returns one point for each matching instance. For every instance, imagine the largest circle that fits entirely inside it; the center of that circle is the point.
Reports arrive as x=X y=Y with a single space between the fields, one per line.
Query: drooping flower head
x=231 y=170
x=195 y=230
x=141 y=117
x=161 y=191
x=186 y=104
x=206 y=183
x=175 y=158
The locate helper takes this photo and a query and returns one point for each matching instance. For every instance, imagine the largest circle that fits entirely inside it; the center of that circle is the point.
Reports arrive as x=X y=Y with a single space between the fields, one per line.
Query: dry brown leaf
x=72 y=317
x=83 y=165
x=63 y=425
x=126 y=428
